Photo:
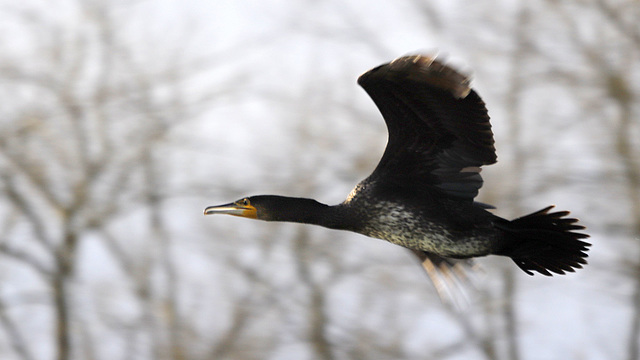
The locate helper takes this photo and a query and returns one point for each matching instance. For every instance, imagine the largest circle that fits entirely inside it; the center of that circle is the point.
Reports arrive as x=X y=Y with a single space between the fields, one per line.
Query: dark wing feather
x=439 y=130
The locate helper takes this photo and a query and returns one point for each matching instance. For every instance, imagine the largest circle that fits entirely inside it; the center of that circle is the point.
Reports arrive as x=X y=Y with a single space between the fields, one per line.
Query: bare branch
x=26 y=259
x=17 y=340
x=21 y=203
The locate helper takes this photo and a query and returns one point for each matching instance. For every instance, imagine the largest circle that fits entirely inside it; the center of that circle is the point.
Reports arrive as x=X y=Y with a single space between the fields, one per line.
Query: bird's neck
x=309 y=211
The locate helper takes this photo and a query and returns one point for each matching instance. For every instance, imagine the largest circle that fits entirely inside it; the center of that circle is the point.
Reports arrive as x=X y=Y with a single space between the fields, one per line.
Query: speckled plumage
x=423 y=224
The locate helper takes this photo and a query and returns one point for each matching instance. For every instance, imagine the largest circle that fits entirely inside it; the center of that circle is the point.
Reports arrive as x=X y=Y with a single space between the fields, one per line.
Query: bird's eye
x=246 y=202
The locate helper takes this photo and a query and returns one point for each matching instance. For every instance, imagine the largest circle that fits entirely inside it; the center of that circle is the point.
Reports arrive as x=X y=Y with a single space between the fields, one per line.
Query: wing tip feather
x=424 y=68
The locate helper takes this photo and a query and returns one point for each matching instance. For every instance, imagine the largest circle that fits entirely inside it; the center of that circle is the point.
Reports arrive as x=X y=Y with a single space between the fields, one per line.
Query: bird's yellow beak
x=235 y=209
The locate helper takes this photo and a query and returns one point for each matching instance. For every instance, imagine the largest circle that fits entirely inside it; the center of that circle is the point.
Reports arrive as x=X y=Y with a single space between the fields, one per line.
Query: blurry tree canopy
x=120 y=121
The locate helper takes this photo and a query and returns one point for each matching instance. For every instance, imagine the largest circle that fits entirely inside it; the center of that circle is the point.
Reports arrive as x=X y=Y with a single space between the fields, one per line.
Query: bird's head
x=272 y=208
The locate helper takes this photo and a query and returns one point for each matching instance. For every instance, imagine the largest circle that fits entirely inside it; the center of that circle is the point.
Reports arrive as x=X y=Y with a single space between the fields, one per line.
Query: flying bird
x=421 y=194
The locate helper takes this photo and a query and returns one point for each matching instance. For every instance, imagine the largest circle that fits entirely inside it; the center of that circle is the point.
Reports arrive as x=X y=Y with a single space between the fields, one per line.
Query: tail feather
x=545 y=242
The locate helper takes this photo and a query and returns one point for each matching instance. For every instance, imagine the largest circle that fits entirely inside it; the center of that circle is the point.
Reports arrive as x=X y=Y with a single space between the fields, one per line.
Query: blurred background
x=121 y=120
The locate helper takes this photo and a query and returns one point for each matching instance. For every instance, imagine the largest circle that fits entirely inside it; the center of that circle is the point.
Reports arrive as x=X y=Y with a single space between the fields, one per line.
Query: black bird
x=421 y=194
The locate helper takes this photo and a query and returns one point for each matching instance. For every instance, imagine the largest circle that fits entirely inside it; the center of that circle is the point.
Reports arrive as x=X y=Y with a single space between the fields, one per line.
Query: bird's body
x=427 y=223
x=421 y=194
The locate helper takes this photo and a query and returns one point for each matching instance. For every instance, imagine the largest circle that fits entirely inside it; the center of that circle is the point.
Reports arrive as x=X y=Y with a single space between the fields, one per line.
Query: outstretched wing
x=439 y=130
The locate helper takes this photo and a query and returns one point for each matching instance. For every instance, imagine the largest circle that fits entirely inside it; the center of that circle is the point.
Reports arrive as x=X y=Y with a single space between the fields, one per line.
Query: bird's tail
x=545 y=242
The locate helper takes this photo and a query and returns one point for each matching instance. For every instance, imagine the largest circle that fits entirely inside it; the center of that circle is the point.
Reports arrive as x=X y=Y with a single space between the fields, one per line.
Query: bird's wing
x=439 y=131
x=452 y=278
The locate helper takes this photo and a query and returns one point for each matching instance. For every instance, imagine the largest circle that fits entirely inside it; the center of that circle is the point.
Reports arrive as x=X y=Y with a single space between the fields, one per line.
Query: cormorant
x=421 y=194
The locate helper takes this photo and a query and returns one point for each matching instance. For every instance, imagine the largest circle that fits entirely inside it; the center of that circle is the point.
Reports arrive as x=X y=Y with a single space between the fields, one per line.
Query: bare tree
x=611 y=79
x=85 y=123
